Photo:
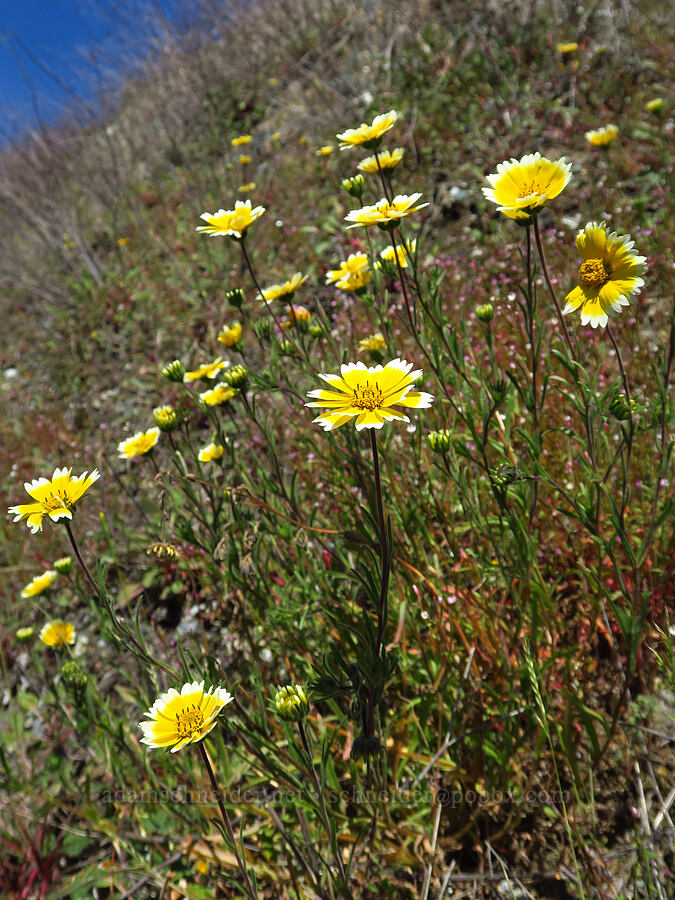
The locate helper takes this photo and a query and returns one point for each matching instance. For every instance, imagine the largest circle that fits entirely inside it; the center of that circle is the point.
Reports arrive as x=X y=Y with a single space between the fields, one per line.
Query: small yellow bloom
x=602 y=137
x=122 y=242
x=386 y=159
x=39 y=584
x=244 y=160
x=520 y=188
x=325 y=151
x=231 y=222
x=403 y=253
x=655 y=105
x=177 y=719
x=386 y=214
x=231 y=335
x=208 y=370
x=246 y=188
x=211 y=452
x=241 y=140
x=139 y=444
x=63 y=565
x=276 y=291
x=374 y=343
x=273 y=82
x=57 y=634
x=353 y=273
x=570 y=47
x=609 y=276
x=373 y=395
x=276 y=136
x=368 y=135
x=25 y=633
x=221 y=393
x=53 y=497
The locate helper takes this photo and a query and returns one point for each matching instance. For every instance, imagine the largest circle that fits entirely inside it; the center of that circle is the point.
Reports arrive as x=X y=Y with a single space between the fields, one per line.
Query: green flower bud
x=317 y=330
x=485 y=312
x=236 y=376
x=286 y=348
x=263 y=329
x=235 y=297
x=72 y=675
x=63 y=566
x=504 y=475
x=291 y=703
x=619 y=408
x=165 y=418
x=25 y=633
x=174 y=371
x=355 y=185
x=498 y=390
x=439 y=441
x=365 y=747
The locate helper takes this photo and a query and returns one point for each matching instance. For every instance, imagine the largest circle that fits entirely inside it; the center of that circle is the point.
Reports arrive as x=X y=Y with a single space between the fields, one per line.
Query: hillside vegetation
x=431 y=658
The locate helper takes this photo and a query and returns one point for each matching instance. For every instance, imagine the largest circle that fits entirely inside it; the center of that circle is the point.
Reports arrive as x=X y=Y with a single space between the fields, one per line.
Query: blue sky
x=44 y=44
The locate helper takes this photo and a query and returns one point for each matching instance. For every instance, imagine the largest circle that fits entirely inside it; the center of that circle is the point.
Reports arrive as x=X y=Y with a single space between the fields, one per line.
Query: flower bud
x=317 y=330
x=263 y=329
x=291 y=703
x=354 y=186
x=235 y=297
x=504 y=475
x=174 y=371
x=365 y=747
x=286 y=348
x=165 y=418
x=439 y=441
x=236 y=376
x=72 y=675
x=485 y=312
x=25 y=633
x=620 y=409
x=64 y=565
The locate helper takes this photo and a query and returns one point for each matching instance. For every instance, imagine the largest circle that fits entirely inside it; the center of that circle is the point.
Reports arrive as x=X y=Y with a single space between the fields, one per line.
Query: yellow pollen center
x=189 y=721
x=367 y=397
x=54 y=501
x=594 y=272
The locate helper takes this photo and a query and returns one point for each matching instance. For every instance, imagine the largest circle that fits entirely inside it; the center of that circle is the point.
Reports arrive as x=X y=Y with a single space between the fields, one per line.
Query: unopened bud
x=165 y=418
x=291 y=703
x=174 y=371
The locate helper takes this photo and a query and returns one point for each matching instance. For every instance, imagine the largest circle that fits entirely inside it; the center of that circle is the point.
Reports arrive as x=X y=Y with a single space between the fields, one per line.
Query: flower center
x=367 y=397
x=188 y=721
x=594 y=273
x=55 y=501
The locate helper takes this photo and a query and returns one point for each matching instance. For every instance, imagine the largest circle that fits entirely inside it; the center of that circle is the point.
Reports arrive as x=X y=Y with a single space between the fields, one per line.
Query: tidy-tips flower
x=298 y=317
x=241 y=140
x=39 y=584
x=325 y=151
x=207 y=370
x=602 y=137
x=387 y=161
x=54 y=497
x=286 y=289
x=368 y=135
x=63 y=565
x=139 y=444
x=352 y=274
x=374 y=345
x=609 y=276
x=57 y=634
x=570 y=47
x=521 y=188
x=355 y=185
x=236 y=376
x=173 y=371
x=25 y=633
x=176 y=719
x=291 y=703
x=244 y=160
x=385 y=213
x=165 y=418
x=247 y=188
x=372 y=395
x=221 y=393
x=211 y=452
x=230 y=335
x=231 y=222
x=403 y=253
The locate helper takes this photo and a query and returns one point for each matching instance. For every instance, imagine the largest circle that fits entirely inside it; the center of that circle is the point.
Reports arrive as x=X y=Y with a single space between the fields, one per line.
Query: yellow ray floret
x=520 y=188
x=374 y=395
x=385 y=213
x=387 y=161
x=177 y=719
x=207 y=370
x=609 y=276
x=352 y=274
x=141 y=443
x=368 y=135
x=53 y=497
x=231 y=222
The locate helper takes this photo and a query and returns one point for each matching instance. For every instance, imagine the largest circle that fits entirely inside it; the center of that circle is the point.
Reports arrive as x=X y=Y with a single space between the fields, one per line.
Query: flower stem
x=226 y=822
x=544 y=269
x=384 y=551
x=83 y=565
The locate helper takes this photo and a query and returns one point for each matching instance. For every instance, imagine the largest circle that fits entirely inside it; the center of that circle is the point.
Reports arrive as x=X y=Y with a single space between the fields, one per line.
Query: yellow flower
x=211 y=452
x=386 y=214
x=374 y=395
x=273 y=82
x=177 y=719
x=241 y=140
x=139 y=444
x=25 y=633
x=244 y=160
x=655 y=105
x=520 y=188
x=221 y=393
x=276 y=136
x=609 y=276
x=386 y=159
x=302 y=140
x=39 y=584
x=208 y=370
x=368 y=135
x=230 y=336
x=352 y=275
x=57 y=634
x=571 y=47
x=324 y=151
x=165 y=418
x=122 y=242
x=54 y=498
x=403 y=253
x=275 y=291
x=298 y=316
x=231 y=222
x=602 y=137
x=374 y=343
x=245 y=188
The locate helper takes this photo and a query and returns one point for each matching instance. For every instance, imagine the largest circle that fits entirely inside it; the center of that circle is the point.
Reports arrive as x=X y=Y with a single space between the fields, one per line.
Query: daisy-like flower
x=602 y=137
x=230 y=336
x=39 y=584
x=218 y=395
x=244 y=160
x=57 y=634
x=386 y=214
x=53 y=497
x=325 y=151
x=139 y=444
x=207 y=370
x=609 y=276
x=177 y=719
x=374 y=343
x=241 y=140
x=211 y=452
x=352 y=274
x=373 y=395
x=231 y=222
x=403 y=253
x=275 y=291
x=247 y=188
x=520 y=188
x=368 y=135
x=387 y=161
x=570 y=47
